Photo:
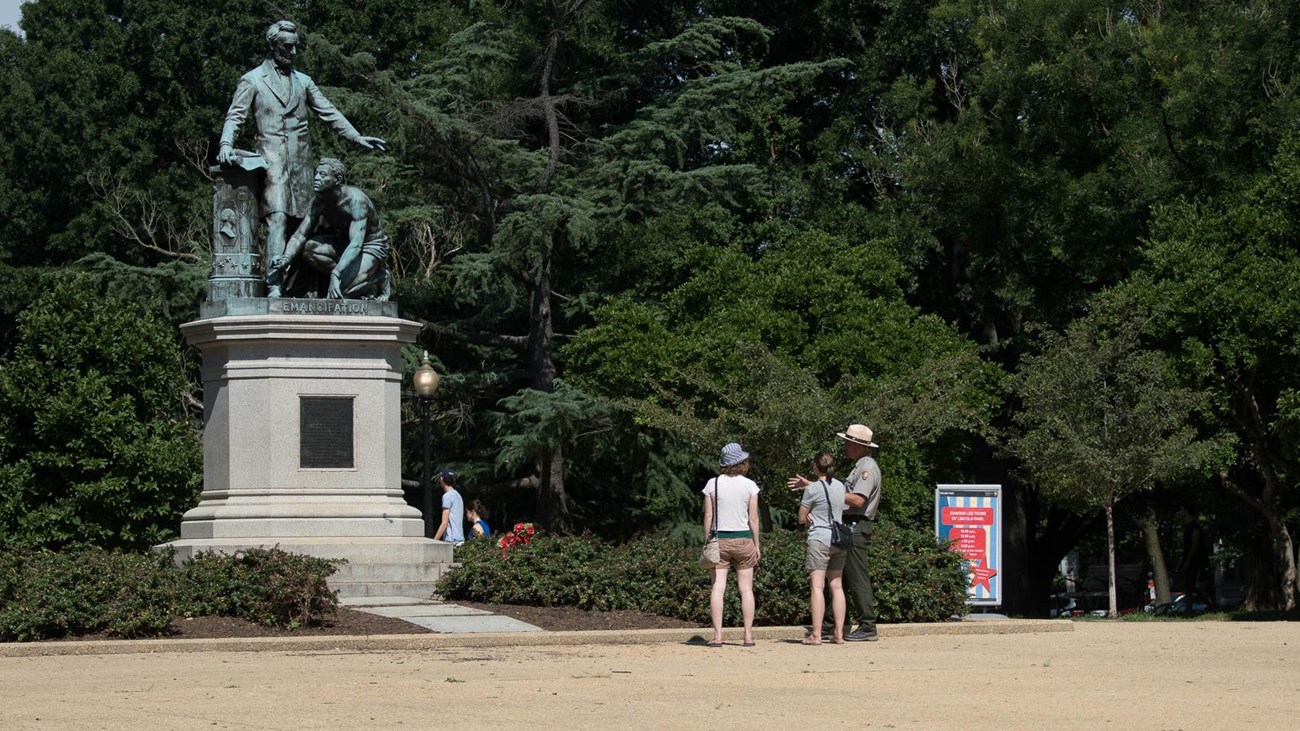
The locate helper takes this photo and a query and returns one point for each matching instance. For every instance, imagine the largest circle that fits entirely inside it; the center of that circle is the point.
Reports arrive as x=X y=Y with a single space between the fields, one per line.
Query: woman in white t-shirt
x=733 y=497
x=823 y=502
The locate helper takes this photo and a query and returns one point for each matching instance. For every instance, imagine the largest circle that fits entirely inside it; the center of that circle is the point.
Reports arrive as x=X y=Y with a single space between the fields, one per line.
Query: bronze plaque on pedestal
x=325 y=432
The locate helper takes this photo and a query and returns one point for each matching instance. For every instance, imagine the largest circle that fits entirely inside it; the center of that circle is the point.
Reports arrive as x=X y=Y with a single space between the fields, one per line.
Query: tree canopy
x=634 y=230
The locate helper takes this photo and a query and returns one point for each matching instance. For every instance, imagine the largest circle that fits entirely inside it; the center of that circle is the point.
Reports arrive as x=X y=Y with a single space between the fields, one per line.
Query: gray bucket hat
x=732 y=455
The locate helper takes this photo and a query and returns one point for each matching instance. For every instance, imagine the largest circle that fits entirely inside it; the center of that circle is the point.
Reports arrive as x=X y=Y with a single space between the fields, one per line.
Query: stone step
x=353 y=589
x=372 y=572
x=373 y=602
x=355 y=550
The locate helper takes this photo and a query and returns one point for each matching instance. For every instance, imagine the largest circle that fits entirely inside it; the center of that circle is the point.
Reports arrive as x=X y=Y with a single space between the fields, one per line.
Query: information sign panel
x=971 y=517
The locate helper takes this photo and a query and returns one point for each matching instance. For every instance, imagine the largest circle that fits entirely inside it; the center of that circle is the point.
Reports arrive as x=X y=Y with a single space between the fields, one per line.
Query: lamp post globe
x=425 y=384
x=426 y=379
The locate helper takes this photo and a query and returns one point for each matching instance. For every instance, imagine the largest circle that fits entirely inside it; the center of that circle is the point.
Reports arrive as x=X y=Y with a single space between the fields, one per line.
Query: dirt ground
x=1204 y=675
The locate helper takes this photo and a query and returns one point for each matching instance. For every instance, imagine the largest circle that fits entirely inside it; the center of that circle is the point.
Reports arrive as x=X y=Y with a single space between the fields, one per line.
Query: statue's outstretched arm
x=329 y=114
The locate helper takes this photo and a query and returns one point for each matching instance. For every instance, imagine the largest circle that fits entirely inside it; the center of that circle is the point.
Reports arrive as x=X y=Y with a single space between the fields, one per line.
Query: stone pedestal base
x=301 y=447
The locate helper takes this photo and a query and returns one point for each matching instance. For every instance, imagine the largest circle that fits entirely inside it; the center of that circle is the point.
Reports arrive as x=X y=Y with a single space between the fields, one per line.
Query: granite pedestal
x=301 y=441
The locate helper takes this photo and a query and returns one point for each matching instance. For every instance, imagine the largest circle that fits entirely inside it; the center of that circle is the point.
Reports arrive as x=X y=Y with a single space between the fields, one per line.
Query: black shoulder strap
x=715 y=506
x=830 y=514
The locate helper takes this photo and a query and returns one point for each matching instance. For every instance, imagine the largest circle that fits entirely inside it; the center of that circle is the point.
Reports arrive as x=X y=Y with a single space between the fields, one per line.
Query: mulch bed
x=347 y=622
x=559 y=619
x=352 y=622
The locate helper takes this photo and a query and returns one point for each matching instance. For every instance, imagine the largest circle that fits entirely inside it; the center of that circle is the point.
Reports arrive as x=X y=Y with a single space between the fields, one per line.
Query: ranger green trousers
x=857 y=578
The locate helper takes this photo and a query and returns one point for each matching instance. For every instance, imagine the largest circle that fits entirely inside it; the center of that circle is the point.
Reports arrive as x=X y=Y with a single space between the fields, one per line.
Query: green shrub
x=270 y=587
x=84 y=590
x=915 y=579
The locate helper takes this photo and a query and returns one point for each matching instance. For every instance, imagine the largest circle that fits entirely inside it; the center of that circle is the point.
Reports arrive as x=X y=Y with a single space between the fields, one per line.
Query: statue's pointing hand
x=372 y=143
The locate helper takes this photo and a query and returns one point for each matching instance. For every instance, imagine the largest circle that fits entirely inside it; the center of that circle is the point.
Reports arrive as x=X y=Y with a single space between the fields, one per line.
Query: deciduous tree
x=96 y=443
x=1102 y=416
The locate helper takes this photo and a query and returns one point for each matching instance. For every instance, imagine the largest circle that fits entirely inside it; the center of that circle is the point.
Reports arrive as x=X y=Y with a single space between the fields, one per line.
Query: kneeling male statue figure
x=339 y=251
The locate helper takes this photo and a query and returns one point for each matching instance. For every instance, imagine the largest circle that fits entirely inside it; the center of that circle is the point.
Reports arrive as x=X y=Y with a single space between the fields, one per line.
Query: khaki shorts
x=737 y=552
x=822 y=557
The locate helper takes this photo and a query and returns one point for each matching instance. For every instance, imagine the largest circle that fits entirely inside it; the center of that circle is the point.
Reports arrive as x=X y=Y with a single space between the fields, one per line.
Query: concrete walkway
x=437 y=616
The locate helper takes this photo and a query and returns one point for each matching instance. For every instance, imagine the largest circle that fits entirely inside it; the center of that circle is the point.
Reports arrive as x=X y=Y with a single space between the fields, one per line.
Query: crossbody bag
x=711 y=556
x=841 y=534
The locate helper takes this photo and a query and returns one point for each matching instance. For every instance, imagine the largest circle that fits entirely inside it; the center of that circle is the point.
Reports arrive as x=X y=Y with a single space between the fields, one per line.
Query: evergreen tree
x=525 y=174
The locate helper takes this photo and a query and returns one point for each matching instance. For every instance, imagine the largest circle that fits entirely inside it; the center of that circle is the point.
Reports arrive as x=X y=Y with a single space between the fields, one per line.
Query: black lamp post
x=425 y=383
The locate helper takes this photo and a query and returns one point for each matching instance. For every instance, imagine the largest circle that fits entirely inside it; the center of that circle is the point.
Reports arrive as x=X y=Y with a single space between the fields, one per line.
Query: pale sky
x=9 y=13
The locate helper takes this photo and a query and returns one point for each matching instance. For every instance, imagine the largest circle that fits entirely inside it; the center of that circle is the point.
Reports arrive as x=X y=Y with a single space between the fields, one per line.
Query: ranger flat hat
x=858 y=434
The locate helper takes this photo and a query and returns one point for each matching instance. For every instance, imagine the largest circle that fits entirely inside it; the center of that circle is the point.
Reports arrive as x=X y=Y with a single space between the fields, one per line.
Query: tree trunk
x=1285 y=550
x=1259 y=569
x=1023 y=595
x=1294 y=557
x=1110 y=557
x=1269 y=465
x=552 y=498
x=1156 y=556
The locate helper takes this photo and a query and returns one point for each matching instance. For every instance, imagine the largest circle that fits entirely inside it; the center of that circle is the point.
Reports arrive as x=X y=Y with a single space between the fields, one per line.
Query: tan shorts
x=822 y=557
x=737 y=552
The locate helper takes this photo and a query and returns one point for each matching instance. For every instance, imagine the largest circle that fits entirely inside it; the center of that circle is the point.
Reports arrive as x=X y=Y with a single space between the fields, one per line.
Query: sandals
x=713 y=643
x=810 y=640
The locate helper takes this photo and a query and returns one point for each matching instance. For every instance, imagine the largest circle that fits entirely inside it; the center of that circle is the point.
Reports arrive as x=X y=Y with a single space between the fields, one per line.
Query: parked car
x=1177 y=605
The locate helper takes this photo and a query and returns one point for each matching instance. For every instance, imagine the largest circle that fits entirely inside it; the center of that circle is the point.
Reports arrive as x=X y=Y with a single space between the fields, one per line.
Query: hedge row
x=84 y=590
x=916 y=580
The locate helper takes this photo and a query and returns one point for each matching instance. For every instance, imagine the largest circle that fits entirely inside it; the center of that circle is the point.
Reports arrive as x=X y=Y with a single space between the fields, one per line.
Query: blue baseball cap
x=448 y=476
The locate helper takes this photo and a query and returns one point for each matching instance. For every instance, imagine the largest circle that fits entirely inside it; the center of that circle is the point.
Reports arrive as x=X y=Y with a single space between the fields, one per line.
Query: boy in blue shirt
x=453 y=510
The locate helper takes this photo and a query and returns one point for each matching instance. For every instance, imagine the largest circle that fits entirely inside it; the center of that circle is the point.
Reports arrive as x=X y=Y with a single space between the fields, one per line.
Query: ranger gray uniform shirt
x=865 y=481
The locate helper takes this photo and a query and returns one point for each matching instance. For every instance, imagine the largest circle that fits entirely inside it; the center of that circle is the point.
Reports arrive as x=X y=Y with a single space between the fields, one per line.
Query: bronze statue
x=279 y=97
x=339 y=250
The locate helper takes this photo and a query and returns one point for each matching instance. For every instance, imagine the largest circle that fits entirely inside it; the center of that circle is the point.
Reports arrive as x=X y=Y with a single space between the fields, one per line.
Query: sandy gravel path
x=1102 y=675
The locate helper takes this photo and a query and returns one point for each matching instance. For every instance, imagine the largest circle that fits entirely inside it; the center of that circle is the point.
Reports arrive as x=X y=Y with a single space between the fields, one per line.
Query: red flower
x=520 y=535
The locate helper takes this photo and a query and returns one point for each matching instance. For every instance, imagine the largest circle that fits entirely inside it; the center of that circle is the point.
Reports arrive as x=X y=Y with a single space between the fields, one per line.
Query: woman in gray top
x=823 y=501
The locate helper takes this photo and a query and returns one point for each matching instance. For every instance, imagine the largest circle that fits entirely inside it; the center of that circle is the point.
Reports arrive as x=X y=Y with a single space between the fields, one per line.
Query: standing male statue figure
x=279 y=97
